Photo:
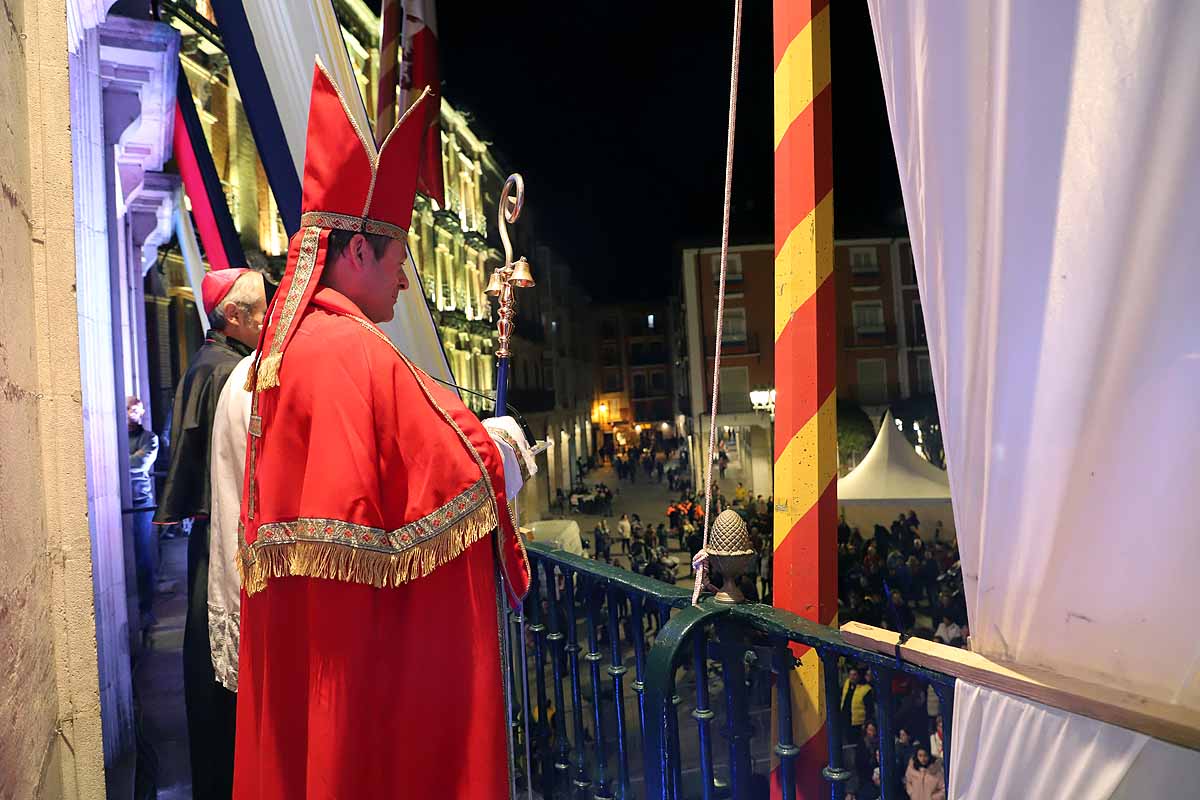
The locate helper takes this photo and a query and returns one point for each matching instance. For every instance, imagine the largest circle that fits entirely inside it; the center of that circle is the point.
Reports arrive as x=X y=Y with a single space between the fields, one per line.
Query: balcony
x=882 y=336
x=630 y=718
x=747 y=346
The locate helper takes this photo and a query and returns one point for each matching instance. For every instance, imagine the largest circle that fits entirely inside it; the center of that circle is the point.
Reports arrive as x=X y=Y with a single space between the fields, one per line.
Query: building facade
x=634 y=373
x=882 y=352
x=747 y=356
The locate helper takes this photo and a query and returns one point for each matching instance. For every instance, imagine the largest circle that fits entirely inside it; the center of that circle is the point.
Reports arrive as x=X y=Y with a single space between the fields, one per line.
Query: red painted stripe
x=809 y=134
x=193 y=184
x=810 y=784
x=789 y=19
x=797 y=587
x=808 y=346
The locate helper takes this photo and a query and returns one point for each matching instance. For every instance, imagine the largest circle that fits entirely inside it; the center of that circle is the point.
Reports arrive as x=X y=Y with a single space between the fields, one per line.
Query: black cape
x=187 y=492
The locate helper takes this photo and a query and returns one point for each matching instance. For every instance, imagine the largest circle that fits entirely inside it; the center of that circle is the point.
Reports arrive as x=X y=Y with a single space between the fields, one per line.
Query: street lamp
x=763 y=400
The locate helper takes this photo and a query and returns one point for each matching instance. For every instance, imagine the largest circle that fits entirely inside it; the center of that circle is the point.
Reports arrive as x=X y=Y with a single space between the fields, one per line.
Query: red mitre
x=349 y=186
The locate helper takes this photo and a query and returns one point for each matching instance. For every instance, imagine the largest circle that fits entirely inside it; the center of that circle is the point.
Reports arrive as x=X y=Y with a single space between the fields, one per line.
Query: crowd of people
x=900 y=580
x=897 y=578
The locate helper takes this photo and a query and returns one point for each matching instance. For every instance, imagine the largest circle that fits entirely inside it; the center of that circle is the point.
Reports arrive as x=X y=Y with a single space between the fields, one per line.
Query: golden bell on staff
x=495 y=285
x=521 y=276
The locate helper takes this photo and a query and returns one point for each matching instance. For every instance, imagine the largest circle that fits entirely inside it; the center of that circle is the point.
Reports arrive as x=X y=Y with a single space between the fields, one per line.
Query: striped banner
x=805 y=559
x=222 y=247
x=389 y=69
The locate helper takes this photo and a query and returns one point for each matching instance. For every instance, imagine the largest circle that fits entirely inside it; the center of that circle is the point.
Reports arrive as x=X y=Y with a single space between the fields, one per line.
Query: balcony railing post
x=562 y=763
x=538 y=628
x=703 y=714
x=738 y=728
x=888 y=781
x=835 y=725
x=786 y=748
x=593 y=656
x=581 y=780
x=617 y=670
x=636 y=619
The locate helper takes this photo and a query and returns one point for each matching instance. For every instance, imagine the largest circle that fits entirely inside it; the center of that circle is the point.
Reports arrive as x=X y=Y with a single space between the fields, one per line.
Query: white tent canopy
x=890 y=480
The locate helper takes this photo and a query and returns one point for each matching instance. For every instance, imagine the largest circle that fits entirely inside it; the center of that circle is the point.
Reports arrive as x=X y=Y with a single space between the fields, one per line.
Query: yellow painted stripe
x=804 y=262
x=802 y=72
x=805 y=468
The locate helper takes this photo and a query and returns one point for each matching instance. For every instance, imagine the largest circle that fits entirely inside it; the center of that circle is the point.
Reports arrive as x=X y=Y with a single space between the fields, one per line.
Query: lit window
x=650 y=321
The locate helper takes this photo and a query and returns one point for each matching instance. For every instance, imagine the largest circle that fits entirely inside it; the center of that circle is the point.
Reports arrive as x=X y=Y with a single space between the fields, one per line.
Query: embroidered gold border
x=417 y=373
x=267 y=370
x=511 y=442
x=346 y=222
x=339 y=550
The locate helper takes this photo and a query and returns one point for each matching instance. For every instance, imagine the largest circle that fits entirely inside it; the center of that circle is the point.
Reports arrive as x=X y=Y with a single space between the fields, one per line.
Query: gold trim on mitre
x=345 y=551
x=346 y=222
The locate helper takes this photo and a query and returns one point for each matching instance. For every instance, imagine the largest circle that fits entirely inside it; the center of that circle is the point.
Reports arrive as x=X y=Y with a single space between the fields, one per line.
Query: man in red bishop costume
x=374 y=514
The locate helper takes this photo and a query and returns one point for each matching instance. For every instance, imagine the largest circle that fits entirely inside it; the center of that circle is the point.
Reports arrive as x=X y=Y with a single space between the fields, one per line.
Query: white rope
x=700 y=560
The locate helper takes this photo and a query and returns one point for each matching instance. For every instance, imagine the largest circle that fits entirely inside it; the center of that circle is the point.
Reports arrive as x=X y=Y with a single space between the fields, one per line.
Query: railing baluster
x=539 y=634
x=562 y=763
x=617 y=670
x=580 y=780
x=888 y=781
x=738 y=729
x=595 y=599
x=703 y=714
x=638 y=634
x=835 y=773
x=664 y=616
x=519 y=622
x=786 y=749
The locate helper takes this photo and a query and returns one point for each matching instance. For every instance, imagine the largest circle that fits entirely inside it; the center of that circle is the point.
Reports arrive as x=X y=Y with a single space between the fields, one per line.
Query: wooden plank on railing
x=1166 y=721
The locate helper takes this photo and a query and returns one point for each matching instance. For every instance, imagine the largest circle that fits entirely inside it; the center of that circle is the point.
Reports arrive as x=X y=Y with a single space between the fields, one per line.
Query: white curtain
x=289 y=36
x=1052 y=187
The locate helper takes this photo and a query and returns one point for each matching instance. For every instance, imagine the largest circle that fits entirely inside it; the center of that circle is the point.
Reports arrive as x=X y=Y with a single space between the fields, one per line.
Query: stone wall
x=50 y=732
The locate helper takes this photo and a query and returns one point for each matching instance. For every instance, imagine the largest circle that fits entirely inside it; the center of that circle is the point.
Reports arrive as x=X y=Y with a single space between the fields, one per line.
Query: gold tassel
x=250 y=377
x=268 y=371
x=332 y=561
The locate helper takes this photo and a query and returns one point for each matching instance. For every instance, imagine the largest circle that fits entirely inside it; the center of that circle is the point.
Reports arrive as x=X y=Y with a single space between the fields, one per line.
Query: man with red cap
x=375 y=515
x=235 y=302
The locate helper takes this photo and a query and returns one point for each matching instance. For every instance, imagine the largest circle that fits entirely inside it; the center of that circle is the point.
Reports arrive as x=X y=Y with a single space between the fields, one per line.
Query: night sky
x=616 y=115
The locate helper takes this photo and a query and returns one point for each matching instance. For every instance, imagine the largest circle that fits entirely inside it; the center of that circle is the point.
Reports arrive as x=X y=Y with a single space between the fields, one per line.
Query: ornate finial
x=730 y=552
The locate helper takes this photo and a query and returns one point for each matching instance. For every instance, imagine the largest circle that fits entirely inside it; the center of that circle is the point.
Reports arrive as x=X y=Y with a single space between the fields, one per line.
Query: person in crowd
x=625 y=533
x=935 y=739
x=143 y=451
x=858 y=701
x=740 y=494
x=948 y=632
x=695 y=541
x=235 y=302
x=760 y=506
x=925 y=779
x=866 y=754
x=598 y=541
x=661 y=536
x=904 y=615
x=905 y=747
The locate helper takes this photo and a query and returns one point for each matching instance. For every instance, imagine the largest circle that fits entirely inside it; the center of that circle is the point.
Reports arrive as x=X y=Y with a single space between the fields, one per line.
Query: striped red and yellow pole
x=805 y=557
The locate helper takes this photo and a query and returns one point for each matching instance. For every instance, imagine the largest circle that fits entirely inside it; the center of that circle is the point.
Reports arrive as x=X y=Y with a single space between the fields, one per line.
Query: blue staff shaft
x=501 y=386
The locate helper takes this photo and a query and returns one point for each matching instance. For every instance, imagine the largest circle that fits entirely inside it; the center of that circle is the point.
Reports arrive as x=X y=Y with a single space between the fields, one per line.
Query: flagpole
x=504 y=280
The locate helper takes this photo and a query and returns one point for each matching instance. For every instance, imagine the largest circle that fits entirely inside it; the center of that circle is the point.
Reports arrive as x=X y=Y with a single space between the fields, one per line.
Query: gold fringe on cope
x=263 y=560
x=251 y=377
x=268 y=371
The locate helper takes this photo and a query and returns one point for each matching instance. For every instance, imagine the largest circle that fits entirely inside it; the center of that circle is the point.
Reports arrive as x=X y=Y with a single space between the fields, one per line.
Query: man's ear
x=231 y=311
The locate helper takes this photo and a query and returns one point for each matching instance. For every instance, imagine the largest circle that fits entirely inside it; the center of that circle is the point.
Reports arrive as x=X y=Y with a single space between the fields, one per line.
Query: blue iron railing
x=586 y=624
